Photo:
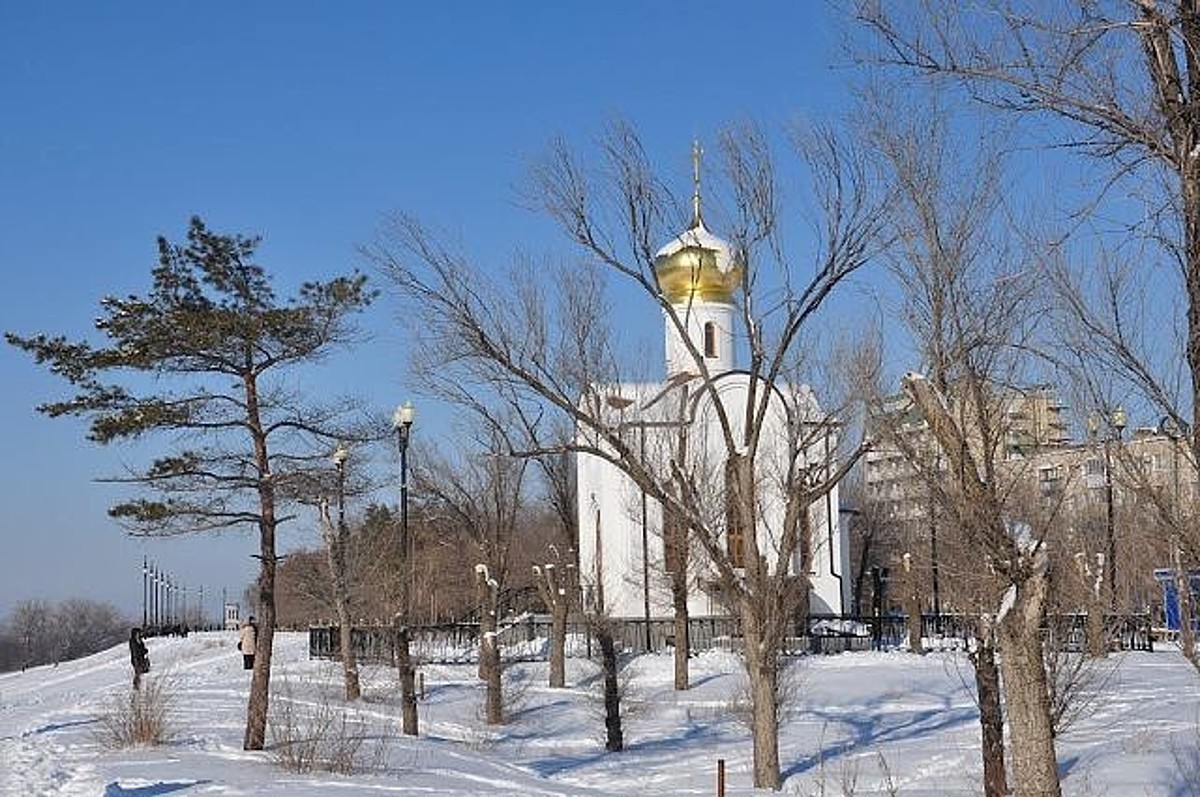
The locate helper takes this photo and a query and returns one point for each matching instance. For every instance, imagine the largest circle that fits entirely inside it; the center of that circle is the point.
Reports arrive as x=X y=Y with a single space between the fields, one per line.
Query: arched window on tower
x=710 y=339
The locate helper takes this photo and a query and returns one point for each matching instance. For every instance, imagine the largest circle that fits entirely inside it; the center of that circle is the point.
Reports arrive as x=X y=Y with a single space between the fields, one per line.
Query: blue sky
x=306 y=123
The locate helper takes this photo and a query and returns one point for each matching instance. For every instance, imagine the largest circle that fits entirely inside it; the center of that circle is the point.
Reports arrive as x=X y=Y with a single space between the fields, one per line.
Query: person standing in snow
x=247 y=635
x=139 y=657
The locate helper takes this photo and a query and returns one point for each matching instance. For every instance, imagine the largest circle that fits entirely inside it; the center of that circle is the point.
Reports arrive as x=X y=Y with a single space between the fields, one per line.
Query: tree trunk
x=341 y=601
x=762 y=670
x=349 y=657
x=675 y=545
x=912 y=607
x=489 y=646
x=556 y=594
x=614 y=737
x=489 y=653
x=683 y=643
x=1183 y=603
x=1097 y=637
x=1027 y=696
x=991 y=716
x=260 y=678
x=558 y=643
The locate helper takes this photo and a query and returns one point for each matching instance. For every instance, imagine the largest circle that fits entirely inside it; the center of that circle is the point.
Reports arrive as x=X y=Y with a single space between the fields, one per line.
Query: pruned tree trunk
x=490 y=671
x=556 y=591
x=675 y=542
x=559 y=614
x=336 y=542
x=1019 y=631
x=762 y=670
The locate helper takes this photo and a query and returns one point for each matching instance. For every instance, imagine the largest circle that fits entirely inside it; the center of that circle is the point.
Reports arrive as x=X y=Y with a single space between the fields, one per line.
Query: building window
x=710 y=339
x=1050 y=480
x=735 y=531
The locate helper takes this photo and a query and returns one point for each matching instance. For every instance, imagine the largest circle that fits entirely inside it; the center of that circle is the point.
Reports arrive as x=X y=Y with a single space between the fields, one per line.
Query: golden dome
x=697 y=265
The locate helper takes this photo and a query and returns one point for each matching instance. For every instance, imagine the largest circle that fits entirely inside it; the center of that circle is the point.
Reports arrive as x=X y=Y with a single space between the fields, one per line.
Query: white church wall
x=606 y=490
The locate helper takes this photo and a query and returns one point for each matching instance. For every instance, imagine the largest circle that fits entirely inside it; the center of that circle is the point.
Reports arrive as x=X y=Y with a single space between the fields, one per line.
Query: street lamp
x=145 y=589
x=1178 y=431
x=154 y=594
x=402 y=421
x=1116 y=423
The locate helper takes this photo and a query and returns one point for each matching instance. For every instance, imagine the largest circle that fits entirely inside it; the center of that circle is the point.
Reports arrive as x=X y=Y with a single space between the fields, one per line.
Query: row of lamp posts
x=164 y=600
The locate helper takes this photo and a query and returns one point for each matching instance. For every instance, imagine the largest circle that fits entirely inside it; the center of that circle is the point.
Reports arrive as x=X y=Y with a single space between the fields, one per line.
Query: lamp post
x=154 y=595
x=645 y=552
x=1116 y=423
x=1177 y=431
x=145 y=589
x=402 y=421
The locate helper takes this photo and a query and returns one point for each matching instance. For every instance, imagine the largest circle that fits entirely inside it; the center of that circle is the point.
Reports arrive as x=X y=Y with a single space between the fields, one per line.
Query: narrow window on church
x=710 y=339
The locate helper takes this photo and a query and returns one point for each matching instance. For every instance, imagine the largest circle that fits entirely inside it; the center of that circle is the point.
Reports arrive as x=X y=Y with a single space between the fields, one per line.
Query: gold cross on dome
x=696 y=153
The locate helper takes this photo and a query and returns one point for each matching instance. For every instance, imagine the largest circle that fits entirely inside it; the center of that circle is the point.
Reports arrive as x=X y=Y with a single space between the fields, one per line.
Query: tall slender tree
x=200 y=360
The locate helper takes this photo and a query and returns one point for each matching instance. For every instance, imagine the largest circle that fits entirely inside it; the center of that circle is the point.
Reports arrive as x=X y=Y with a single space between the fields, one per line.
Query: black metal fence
x=527 y=638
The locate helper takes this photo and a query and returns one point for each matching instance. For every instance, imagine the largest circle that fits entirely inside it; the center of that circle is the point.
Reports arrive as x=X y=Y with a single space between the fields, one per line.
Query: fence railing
x=526 y=638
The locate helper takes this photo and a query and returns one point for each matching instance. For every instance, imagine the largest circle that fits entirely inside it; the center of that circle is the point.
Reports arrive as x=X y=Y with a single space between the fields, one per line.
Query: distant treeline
x=38 y=632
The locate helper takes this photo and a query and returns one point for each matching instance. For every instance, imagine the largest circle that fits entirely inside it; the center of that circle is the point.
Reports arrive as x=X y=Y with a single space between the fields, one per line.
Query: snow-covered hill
x=857 y=722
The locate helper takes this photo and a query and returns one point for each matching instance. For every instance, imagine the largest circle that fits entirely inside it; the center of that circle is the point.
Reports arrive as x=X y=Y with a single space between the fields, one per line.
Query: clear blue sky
x=306 y=122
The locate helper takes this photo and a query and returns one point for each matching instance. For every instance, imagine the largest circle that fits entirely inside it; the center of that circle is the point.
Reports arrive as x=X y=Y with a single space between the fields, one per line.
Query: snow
x=700 y=237
x=855 y=723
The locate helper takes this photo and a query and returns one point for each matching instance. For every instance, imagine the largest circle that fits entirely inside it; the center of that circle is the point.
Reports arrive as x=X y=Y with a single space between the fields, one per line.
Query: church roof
x=697 y=265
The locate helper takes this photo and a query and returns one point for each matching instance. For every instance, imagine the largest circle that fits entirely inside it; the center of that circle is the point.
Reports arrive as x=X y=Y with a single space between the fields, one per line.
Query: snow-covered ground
x=857 y=723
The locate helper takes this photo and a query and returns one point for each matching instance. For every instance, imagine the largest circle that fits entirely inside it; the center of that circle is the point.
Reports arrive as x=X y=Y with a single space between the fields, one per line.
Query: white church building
x=623 y=560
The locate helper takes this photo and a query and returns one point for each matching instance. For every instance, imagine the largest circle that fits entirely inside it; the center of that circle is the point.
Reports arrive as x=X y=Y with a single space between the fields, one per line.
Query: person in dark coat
x=139 y=657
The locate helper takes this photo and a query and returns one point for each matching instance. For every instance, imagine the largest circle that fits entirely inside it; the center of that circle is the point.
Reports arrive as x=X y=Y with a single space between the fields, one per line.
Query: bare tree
x=482 y=495
x=557 y=578
x=971 y=314
x=337 y=544
x=1117 y=81
x=540 y=343
x=83 y=627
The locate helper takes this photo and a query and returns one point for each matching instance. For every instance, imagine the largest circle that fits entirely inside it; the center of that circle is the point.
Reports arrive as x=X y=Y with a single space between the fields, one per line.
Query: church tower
x=698 y=273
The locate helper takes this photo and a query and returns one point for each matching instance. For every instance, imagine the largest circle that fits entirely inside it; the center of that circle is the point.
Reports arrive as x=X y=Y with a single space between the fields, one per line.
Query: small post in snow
x=720 y=777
